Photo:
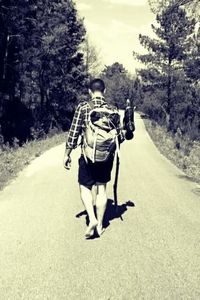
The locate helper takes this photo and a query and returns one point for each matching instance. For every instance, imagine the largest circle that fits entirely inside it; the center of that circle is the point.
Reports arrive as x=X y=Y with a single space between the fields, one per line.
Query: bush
x=182 y=151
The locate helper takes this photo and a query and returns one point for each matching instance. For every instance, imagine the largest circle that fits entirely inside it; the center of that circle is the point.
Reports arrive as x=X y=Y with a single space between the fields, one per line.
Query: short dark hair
x=97 y=85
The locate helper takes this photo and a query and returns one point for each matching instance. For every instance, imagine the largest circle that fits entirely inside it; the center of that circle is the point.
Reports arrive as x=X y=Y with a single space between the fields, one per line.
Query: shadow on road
x=116 y=211
x=187 y=178
x=196 y=191
x=112 y=212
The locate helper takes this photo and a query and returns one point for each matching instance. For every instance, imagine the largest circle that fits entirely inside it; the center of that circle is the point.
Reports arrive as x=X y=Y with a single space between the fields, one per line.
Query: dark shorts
x=90 y=173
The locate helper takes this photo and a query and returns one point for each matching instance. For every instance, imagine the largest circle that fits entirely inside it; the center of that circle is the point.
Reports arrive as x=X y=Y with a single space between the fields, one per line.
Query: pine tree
x=62 y=71
x=13 y=34
x=41 y=63
x=192 y=6
x=192 y=63
x=166 y=55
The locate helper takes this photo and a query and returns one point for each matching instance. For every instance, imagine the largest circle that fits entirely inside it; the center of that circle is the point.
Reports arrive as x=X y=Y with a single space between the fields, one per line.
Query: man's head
x=97 y=86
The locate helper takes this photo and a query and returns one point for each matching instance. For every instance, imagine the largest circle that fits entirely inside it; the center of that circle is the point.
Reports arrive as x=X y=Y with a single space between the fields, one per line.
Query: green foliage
x=40 y=62
x=169 y=81
x=180 y=150
x=119 y=84
x=91 y=58
x=192 y=62
x=191 y=6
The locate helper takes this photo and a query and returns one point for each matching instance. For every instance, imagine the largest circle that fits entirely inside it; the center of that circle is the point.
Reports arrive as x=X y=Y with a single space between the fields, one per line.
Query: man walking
x=91 y=173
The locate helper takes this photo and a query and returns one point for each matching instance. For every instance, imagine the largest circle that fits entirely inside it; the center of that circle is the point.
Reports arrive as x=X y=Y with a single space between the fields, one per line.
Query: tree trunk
x=169 y=86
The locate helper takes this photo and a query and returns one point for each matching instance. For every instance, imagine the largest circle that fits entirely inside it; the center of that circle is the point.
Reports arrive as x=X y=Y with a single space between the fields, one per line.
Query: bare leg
x=101 y=202
x=87 y=198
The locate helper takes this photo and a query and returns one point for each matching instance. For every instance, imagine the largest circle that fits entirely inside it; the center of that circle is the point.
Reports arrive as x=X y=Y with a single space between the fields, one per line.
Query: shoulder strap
x=91 y=104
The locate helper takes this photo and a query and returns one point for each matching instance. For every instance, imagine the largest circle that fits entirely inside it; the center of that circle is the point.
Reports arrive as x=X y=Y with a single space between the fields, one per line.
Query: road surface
x=151 y=252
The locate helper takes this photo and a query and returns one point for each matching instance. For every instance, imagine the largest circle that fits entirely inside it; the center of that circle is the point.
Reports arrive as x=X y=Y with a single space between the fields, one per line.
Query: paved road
x=153 y=253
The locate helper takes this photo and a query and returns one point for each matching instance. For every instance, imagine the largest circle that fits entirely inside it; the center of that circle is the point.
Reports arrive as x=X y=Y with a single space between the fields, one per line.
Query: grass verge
x=183 y=152
x=13 y=160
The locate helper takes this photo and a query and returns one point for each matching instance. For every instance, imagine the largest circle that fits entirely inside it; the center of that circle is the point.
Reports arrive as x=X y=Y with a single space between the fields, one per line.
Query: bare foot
x=90 y=229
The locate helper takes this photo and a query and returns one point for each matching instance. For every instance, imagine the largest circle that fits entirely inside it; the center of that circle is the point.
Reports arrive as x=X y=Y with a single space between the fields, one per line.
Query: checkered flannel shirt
x=80 y=120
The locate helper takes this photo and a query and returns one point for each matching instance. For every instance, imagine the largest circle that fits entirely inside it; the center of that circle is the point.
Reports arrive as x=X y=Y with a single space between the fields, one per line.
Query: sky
x=113 y=26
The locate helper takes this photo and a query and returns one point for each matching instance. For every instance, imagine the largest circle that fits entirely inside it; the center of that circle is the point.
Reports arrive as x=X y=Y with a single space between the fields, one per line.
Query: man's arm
x=73 y=135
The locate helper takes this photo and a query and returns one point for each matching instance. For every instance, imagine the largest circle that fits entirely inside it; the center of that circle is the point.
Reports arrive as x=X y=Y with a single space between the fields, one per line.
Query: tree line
x=42 y=66
x=46 y=61
x=170 y=82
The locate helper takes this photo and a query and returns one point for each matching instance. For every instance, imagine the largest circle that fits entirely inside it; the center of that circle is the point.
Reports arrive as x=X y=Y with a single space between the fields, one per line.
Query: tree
x=40 y=58
x=192 y=6
x=62 y=72
x=192 y=63
x=119 y=84
x=92 y=58
x=166 y=55
x=14 y=31
x=137 y=93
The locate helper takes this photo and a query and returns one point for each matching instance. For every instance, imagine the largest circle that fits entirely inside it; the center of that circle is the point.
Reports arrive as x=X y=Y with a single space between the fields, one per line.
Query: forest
x=46 y=62
x=42 y=68
x=169 y=83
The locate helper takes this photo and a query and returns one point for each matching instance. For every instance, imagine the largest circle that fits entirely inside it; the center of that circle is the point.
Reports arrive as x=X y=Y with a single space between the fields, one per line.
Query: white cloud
x=129 y=2
x=92 y=27
x=117 y=38
x=118 y=41
x=83 y=6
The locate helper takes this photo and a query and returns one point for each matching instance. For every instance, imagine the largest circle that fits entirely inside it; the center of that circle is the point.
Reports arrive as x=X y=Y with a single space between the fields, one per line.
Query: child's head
x=97 y=86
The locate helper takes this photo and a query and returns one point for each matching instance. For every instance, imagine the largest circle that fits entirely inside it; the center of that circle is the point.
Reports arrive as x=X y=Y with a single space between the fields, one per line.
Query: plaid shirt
x=80 y=121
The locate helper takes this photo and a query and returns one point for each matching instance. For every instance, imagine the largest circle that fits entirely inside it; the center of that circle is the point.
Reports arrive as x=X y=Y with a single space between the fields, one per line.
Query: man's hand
x=67 y=162
x=67 y=159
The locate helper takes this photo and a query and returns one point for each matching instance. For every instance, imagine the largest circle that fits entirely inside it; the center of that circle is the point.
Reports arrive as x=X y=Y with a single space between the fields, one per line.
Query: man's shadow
x=113 y=211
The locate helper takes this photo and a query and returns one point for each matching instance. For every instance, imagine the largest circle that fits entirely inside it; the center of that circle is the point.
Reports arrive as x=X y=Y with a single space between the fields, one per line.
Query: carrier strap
x=117 y=146
x=91 y=104
x=94 y=146
x=83 y=152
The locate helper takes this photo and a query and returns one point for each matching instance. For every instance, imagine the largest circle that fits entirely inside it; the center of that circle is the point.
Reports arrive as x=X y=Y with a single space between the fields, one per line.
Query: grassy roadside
x=184 y=153
x=13 y=160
